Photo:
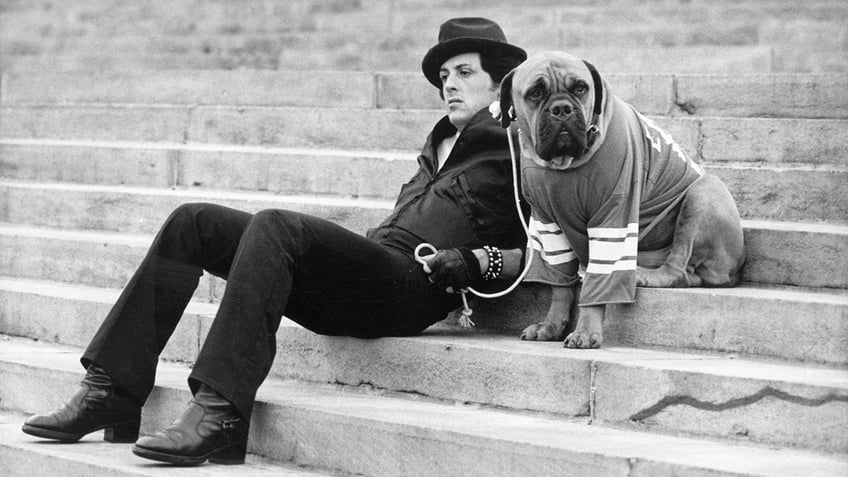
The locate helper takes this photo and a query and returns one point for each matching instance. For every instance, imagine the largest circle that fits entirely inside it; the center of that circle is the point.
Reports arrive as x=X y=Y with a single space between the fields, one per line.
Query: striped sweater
x=586 y=220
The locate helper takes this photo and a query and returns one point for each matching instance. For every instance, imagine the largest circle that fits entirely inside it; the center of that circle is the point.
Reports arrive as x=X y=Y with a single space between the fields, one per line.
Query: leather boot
x=96 y=405
x=210 y=428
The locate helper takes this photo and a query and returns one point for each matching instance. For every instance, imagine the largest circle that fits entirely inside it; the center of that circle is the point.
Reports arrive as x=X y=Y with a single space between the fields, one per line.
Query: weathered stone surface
x=705 y=139
x=808 y=141
x=240 y=87
x=439 y=365
x=299 y=171
x=779 y=95
x=810 y=255
x=88 y=164
x=153 y=123
x=772 y=322
x=716 y=401
x=104 y=208
x=789 y=194
x=326 y=426
x=365 y=129
x=71 y=315
x=22 y=455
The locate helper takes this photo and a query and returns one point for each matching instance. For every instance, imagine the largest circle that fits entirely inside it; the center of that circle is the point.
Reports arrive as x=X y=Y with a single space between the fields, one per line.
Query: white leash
x=465 y=317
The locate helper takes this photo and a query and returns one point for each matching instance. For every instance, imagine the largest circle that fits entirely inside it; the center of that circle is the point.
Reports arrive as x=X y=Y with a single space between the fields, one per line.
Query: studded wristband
x=495 y=262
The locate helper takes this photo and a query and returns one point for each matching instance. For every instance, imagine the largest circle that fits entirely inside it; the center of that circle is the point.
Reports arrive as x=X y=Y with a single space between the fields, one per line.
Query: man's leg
x=193 y=238
x=325 y=277
x=121 y=359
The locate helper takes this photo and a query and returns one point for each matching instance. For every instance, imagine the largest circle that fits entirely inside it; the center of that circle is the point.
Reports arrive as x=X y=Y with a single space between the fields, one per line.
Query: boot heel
x=231 y=455
x=125 y=432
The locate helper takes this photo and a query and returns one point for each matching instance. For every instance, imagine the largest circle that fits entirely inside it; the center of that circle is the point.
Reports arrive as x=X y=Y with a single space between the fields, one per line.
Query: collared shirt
x=467 y=202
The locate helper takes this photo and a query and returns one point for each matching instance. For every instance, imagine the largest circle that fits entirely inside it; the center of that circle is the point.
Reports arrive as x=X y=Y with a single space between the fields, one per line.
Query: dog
x=613 y=198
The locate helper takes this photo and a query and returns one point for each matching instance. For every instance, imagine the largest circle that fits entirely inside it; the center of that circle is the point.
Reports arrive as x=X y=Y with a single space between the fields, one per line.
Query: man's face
x=467 y=88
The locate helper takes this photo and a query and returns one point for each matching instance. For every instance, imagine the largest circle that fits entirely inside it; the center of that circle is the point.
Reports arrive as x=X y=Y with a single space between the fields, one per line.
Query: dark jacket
x=469 y=202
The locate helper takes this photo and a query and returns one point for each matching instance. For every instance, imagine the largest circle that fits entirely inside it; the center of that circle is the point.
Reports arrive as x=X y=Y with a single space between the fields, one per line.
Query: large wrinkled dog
x=605 y=182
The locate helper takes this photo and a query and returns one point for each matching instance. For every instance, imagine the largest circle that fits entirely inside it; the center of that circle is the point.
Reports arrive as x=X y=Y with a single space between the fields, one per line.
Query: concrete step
x=743 y=37
x=24 y=455
x=793 y=194
x=705 y=139
x=115 y=17
x=489 y=368
x=773 y=95
x=760 y=320
x=69 y=314
x=340 y=172
x=88 y=258
x=778 y=253
x=775 y=191
x=417 y=436
x=717 y=396
x=105 y=208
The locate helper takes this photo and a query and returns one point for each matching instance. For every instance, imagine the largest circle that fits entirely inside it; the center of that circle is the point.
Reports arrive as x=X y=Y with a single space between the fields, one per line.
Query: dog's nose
x=561 y=109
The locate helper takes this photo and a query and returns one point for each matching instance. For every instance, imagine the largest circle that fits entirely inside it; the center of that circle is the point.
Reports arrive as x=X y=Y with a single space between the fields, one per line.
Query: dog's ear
x=507 y=108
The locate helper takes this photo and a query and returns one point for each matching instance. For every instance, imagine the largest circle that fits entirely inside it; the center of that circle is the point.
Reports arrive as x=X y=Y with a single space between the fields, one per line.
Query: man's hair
x=496 y=65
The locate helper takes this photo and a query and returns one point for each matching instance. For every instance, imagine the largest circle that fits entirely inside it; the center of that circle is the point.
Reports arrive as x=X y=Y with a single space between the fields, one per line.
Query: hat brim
x=433 y=60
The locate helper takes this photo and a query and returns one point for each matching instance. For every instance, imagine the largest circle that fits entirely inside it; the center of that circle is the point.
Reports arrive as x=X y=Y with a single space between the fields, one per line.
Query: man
x=319 y=274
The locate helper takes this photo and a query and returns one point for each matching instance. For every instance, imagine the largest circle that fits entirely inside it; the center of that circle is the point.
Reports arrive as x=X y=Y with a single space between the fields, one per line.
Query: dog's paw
x=583 y=340
x=542 y=332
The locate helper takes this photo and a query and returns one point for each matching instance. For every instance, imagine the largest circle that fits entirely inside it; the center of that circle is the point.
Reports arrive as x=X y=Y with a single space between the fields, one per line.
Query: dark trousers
x=324 y=277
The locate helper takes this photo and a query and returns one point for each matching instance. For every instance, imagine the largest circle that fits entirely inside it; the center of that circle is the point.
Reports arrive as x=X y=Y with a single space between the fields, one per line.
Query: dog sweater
x=587 y=219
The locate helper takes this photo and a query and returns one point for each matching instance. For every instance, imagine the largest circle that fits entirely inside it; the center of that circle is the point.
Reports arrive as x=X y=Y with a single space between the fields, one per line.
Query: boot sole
x=117 y=432
x=230 y=455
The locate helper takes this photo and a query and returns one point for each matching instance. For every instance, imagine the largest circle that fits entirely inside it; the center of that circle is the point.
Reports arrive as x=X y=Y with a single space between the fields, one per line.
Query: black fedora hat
x=463 y=35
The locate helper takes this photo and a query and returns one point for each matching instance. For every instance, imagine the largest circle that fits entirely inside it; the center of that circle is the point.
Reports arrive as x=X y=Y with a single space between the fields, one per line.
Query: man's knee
x=278 y=218
x=185 y=214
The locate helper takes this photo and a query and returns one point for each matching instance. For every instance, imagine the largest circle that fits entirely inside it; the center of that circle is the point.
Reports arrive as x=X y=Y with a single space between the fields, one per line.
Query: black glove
x=454 y=269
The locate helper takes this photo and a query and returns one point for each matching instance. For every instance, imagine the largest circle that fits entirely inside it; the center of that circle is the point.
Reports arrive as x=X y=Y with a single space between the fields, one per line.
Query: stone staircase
x=94 y=155
x=668 y=36
x=743 y=381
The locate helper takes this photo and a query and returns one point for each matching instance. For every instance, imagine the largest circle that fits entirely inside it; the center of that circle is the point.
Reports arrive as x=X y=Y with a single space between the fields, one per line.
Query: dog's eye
x=535 y=94
x=580 y=88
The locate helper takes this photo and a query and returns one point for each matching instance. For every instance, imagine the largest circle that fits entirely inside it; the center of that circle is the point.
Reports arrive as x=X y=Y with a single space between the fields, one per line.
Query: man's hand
x=454 y=269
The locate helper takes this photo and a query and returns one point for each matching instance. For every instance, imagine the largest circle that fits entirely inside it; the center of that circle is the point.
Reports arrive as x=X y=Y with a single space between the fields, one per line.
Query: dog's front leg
x=559 y=313
x=588 y=331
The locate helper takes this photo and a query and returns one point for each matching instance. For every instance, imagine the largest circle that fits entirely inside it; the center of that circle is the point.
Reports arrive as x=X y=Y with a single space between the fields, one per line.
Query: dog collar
x=593 y=130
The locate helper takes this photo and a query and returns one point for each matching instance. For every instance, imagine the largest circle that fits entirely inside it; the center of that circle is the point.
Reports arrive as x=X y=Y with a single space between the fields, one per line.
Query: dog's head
x=557 y=101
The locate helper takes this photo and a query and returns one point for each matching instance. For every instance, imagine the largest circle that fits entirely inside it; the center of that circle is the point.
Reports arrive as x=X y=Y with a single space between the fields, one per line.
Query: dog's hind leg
x=707 y=248
x=676 y=271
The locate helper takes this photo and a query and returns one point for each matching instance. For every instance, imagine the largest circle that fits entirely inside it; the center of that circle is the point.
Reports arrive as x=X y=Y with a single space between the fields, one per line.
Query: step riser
x=18 y=462
x=284 y=172
x=629 y=391
x=706 y=139
x=765 y=326
x=278 y=426
x=107 y=211
x=335 y=441
x=801 y=258
x=94 y=264
x=779 y=257
x=788 y=195
x=668 y=401
x=562 y=382
x=74 y=322
x=770 y=192
x=812 y=96
x=334 y=89
x=695 y=319
x=768 y=327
